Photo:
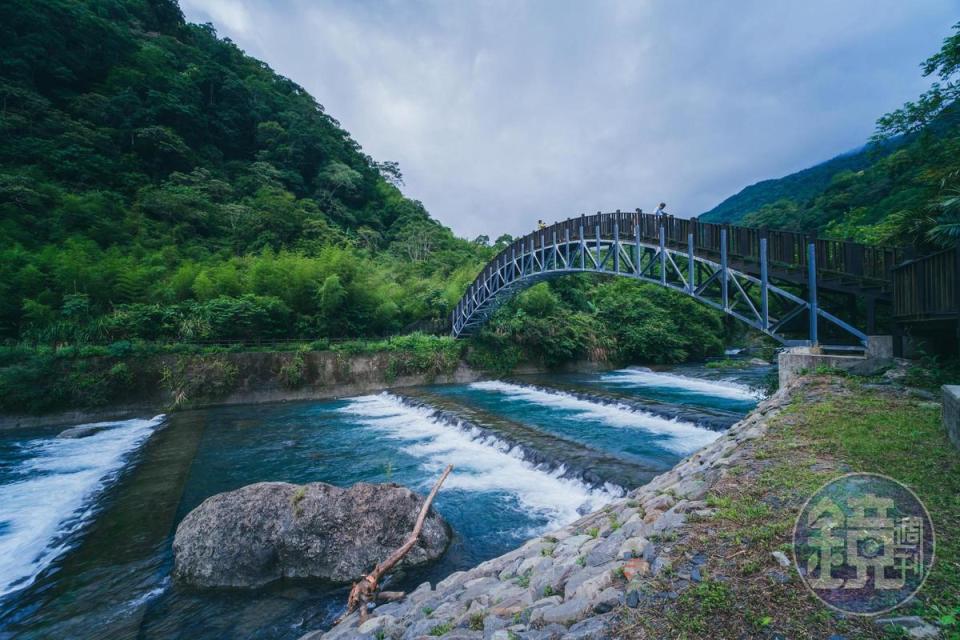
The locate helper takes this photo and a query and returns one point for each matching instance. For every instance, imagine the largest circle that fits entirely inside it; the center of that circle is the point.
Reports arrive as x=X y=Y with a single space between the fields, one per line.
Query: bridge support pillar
x=639 y=250
x=764 y=286
x=555 y=252
x=812 y=289
x=724 y=282
x=543 y=252
x=583 y=250
x=599 y=264
x=880 y=347
x=616 y=248
x=663 y=255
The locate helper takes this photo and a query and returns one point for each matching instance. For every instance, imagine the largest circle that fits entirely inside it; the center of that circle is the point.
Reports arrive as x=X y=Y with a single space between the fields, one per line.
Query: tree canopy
x=148 y=166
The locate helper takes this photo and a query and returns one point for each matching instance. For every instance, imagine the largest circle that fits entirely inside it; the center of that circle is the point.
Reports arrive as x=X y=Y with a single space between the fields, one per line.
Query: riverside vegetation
x=161 y=190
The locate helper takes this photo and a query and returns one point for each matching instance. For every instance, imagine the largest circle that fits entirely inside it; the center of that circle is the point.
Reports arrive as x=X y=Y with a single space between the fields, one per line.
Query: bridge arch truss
x=636 y=245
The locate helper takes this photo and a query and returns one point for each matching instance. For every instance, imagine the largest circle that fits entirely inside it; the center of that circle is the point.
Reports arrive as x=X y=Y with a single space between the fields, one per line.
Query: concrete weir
x=795 y=361
x=548 y=451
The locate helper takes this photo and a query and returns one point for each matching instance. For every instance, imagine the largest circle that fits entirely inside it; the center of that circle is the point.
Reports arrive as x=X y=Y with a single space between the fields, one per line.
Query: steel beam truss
x=754 y=301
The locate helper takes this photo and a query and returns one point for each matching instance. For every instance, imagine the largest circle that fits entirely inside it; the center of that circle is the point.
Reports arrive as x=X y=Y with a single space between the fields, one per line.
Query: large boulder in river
x=271 y=530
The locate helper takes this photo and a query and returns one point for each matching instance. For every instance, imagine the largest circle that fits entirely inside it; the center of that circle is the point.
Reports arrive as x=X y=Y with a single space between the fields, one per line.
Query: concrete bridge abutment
x=796 y=361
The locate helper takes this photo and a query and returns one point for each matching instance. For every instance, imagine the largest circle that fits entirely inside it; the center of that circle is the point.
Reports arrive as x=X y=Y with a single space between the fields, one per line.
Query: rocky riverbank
x=571 y=582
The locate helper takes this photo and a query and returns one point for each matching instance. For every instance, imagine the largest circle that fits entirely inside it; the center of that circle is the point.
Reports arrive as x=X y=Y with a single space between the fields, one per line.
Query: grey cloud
x=504 y=112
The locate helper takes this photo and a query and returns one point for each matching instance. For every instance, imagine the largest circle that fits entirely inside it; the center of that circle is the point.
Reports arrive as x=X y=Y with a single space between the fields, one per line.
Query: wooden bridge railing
x=859 y=264
x=927 y=288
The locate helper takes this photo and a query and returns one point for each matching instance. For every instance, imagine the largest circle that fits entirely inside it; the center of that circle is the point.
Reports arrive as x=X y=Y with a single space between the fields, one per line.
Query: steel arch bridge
x=728 y=268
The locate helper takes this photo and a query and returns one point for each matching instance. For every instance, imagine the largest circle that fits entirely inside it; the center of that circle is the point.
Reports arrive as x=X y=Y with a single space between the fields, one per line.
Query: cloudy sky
x=500 y=113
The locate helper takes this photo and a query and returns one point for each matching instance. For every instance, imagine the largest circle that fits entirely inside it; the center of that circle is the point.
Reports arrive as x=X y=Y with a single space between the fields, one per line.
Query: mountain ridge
x=802 y=184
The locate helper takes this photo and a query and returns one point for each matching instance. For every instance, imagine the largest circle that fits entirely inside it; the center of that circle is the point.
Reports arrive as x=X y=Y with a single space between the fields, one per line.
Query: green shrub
x=293 y=372
x=476 y=622
x=727 y=363
x=296 y=499
x=33 y=385
x=44 y=383
x=191 y=379
x=931 y=372
x=412 y=354
x=120 y=348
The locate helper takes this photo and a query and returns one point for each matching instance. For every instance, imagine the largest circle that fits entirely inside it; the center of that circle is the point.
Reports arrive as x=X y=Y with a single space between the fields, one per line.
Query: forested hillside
x=157 y=182
x=802 y=185
x=902 y=189
x=159 y=185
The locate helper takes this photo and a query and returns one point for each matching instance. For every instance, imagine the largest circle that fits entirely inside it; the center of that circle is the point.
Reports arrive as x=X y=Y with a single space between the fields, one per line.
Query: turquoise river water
x=86 y=524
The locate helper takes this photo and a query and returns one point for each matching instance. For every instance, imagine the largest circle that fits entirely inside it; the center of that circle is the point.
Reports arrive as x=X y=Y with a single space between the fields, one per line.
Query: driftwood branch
x=365 y=591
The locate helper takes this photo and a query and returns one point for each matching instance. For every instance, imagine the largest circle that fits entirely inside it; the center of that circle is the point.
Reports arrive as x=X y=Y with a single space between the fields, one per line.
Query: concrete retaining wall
x=326 y=375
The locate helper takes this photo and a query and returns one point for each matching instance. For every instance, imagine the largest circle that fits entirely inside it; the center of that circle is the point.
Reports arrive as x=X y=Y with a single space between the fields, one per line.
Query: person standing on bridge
x=541 y=225
x=661 y=210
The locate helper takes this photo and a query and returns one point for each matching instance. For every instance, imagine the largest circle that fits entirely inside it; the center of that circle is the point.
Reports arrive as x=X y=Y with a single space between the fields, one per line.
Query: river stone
x=606 y=550
x=606 y=600
x=374 y=624
x=781 y=559
x=271 y=530
x=566 y=613
x=668 y=521
x=492 y=624
x=82 y=431
x=914 y=626
x=595 y=628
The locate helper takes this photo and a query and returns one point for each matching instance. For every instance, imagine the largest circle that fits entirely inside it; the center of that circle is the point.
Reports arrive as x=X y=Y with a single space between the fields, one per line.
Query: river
x=86 y=524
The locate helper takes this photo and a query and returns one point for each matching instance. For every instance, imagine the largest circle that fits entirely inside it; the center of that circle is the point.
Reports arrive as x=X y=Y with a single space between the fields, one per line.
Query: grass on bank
x=835 y=426
x=729 y=363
